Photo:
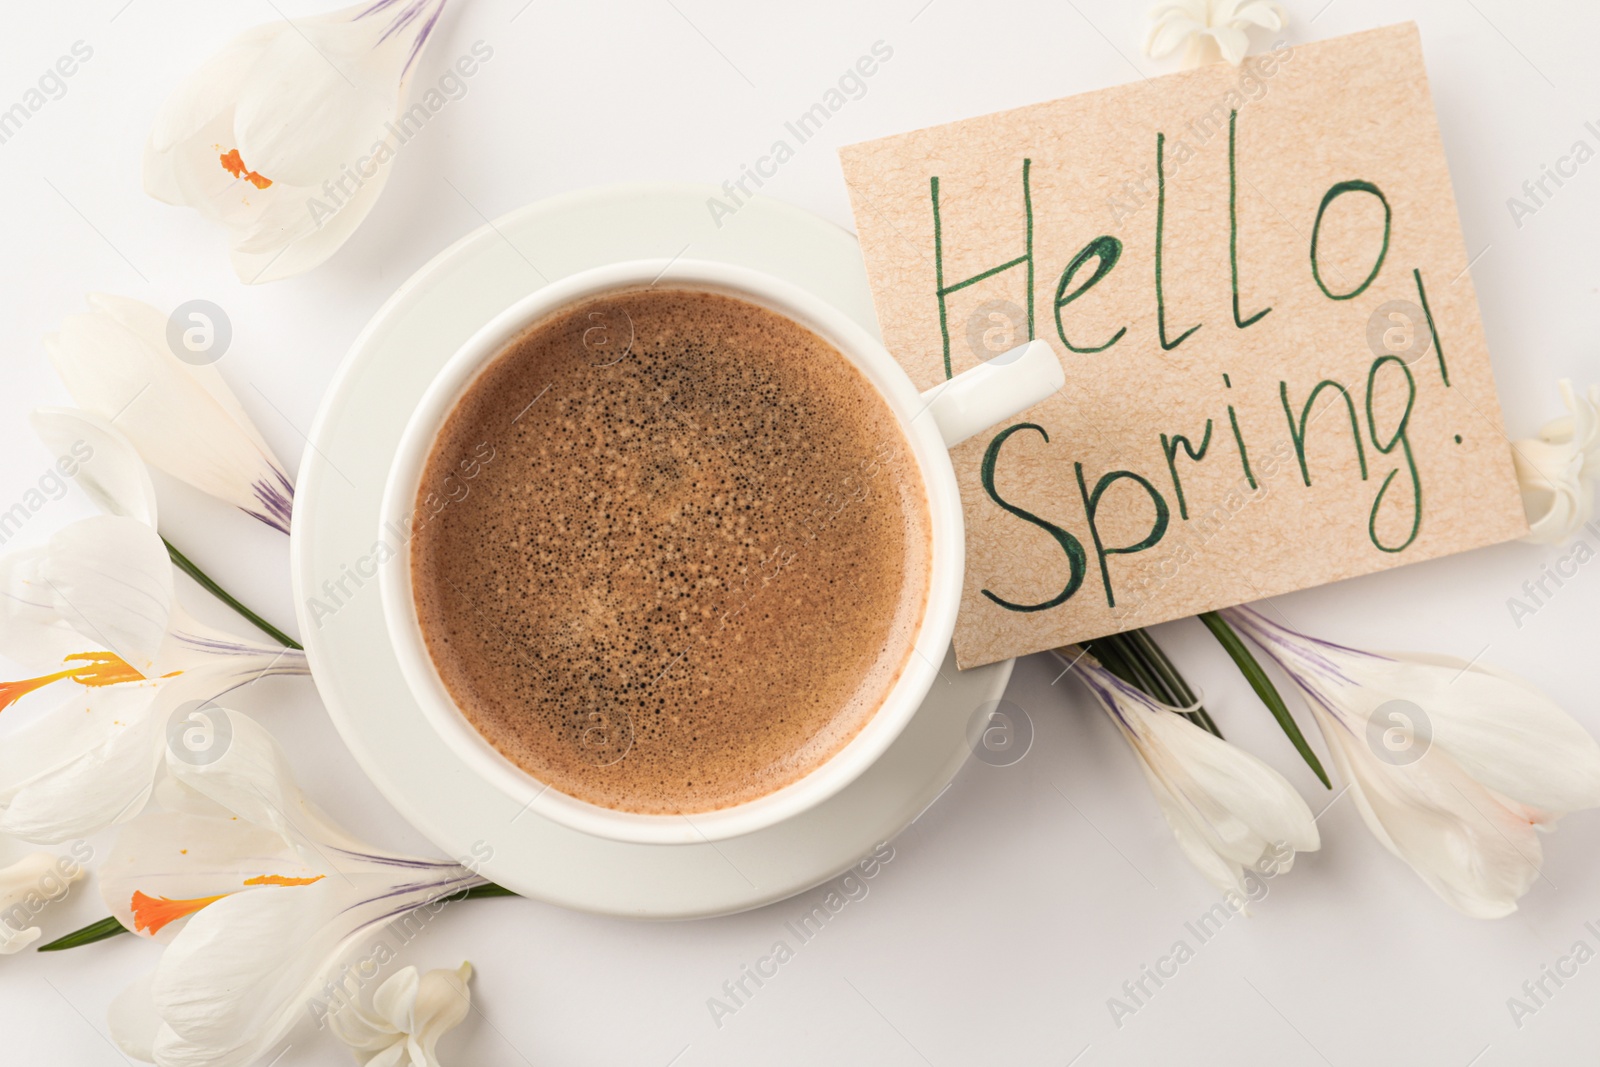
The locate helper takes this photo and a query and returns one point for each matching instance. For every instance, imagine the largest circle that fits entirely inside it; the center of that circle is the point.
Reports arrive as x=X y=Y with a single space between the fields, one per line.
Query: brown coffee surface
x=670 y=551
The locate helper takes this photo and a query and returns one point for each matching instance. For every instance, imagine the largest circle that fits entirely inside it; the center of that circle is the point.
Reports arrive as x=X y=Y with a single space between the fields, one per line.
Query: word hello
x=805 y=126
x=1394 y=517
x=850 y=888
x=1253 y=74
x=1564 y=569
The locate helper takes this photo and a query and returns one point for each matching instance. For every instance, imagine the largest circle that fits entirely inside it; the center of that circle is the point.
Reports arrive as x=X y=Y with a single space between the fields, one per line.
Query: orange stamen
x=102 y=668
x=152 y=913
x=95 y=669
x=11 y=692
x=234 y=165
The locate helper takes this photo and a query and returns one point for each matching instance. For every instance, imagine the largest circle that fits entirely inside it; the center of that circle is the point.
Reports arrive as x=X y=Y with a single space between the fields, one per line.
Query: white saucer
x=335 y=541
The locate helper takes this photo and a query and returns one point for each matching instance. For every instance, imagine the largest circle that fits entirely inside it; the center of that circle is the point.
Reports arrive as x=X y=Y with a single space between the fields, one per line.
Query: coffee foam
x=694 y=565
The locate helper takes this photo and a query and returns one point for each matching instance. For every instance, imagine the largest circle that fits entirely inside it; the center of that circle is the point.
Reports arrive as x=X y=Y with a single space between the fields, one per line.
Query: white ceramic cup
x=931 y=424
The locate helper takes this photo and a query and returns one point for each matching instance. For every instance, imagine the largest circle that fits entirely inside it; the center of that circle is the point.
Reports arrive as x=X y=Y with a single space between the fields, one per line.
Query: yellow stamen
x=102 y=668
x=95 y=669
x=281 y=879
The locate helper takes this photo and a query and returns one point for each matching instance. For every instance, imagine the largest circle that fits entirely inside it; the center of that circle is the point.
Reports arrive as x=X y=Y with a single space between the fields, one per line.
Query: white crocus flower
x=1557 y=470
x=409 y=1014
x=106 y=466
x=284 y=137
x=257 y=896
x=91 y=617
x=1230 y=812
x=1453 y=765
x=25 y=888
x=182 y=418
x=1209 y=27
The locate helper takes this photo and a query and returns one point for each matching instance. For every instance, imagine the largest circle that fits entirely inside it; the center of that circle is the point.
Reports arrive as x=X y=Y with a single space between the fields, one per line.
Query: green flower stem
x=1168 y=672
x=1264 y=689
x=1125 y=657
x=184 y=564
x=111 y=927
x=107 y=927
x=1109 y=653
x=1143 y=676
x=1143 y=666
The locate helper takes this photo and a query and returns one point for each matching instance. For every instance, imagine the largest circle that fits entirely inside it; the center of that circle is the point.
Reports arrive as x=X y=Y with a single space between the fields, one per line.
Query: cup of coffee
x=683 y=547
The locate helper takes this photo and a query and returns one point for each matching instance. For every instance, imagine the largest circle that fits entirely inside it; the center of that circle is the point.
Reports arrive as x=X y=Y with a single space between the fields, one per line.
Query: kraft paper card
x=1256 y=281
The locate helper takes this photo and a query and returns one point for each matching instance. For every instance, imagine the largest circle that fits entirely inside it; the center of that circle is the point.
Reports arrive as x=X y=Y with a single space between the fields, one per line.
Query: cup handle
x=994 y=391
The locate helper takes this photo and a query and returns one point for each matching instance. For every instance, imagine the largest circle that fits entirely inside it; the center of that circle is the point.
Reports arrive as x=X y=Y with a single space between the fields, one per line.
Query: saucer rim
x=811 y=237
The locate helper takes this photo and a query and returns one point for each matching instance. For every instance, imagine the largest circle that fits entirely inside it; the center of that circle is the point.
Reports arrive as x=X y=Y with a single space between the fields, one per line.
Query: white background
x=1023 y=900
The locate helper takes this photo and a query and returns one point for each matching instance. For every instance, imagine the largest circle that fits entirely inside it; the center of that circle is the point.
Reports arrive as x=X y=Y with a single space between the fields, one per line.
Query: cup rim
x=934 y=629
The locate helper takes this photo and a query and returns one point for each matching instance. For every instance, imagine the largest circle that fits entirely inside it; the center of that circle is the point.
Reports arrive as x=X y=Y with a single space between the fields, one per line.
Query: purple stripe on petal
x=1304 y=658
x=401 y=861
x=276 y=497
x=427 y=11
x=433 y=891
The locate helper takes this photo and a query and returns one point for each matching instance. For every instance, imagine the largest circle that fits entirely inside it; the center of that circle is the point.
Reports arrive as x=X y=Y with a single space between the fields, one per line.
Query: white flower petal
x=87 y=765
x=211 y=89
x=1229 y=811
x=1557 y=470
x=193 y=119
x=396 y=1000
x=442 y=1002
x=104 y=462
x=13 y=941
x=409 y=1015
x=182 y=856
x=92 y=760
x=1478 y=856
x=1246 y=801
x=142 y=320
x=101 y=584
x=195 y=169
x=1207 y=28
x=133 y=1021
x=32 y=631
x=257 y=264
x=1498 y=761
x=25 y=887
x=252 y=780
x=1505 y=733
x=1170 y=34
x=303 y=105
x=284 y=894
x=369 y=1033
x=299 y=116
x=236 y=978
x=1264 y=13
x=1232 y=42
x=182 y=418
x=225 y=658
